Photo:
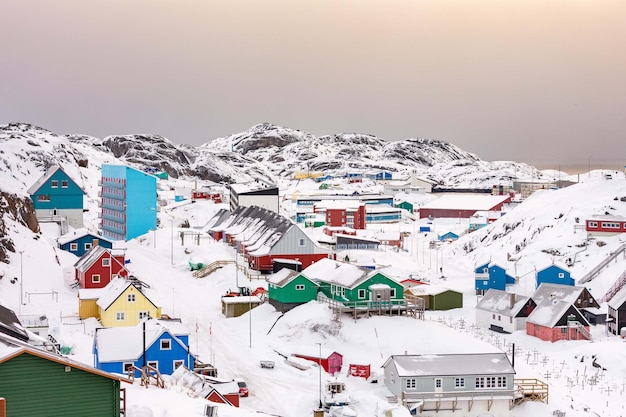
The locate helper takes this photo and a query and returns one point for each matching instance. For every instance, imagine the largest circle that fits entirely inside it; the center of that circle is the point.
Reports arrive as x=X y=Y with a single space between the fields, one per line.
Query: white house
x=503 y=312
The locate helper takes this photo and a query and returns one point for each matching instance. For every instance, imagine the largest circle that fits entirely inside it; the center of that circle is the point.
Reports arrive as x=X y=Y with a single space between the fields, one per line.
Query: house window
x=301 y=242
x=486 y=382
x=563 y=330
x=493 y=316
x=131 y=298
x=361 y=294
x=154 y=364
x=64 y=184
x=300 y=287
x=593 y=224
x=88 y=246
x=561 y=275
x=438 y=383
x=54 y=184
x=166 y=344
x=485 y=282
x=73 y=247
x=43 y=197
x=410 y=383
x=501 y=382
x=510 y=319
x=459 y=382
x=106 y=262
x=95 y=278
x=128 y=367
x=485 y=270
x=499 y=317
x=119 y=316
x=393 y=293
x=178 y=363
x=144 y=314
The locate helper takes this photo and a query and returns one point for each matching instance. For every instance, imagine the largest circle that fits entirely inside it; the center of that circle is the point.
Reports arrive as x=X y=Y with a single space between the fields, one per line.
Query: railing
x=210 y=268
x=618 y=285
x=595 y=271
x=580 y=329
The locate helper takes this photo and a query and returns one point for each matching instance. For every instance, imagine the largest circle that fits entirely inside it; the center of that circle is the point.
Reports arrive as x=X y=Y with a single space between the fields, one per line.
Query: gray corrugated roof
x=452 y=364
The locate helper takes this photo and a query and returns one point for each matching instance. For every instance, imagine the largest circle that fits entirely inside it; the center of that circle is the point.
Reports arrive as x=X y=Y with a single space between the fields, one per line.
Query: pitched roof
x=451 y=364
x=336 y=272
x=549 y=313
x=10 y=324
x=499 y=301
x=283 y=277
x=46 y=176
x=92 y=255
x=114 y=290
x=618 y=299
x=126 y=343
x=8 y=353
x=428 y=289
x=548 y=292
x=77 y=234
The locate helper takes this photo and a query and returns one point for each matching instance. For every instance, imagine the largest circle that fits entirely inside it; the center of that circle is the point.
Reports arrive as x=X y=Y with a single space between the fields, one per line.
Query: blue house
x=554 y=274
x=380 y=176
x=491 y=275
x=448 y=236
x=80 y=241
x=118 y=349
x=56 y=195
x=128 y=202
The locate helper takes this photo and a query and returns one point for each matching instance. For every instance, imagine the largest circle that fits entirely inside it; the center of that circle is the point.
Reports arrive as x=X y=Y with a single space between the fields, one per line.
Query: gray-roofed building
x=254 y=193
x=503 y=312
x=617 y=312
x=457 y=383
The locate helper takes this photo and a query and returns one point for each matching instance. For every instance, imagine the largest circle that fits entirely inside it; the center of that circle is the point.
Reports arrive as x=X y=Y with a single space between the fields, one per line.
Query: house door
x=438 y=384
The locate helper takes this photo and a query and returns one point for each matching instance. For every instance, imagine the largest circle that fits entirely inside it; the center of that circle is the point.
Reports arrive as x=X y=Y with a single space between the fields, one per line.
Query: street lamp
x=319 y=367
x=172 y=244
x=21 y=278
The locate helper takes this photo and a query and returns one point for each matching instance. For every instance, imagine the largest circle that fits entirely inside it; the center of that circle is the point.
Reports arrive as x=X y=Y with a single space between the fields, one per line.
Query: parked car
x=243 y=388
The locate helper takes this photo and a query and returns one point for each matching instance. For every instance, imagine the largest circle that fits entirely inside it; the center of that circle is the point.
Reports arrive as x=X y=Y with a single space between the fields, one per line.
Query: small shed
x=330 y=360
x=237 y=306
x=435 y=297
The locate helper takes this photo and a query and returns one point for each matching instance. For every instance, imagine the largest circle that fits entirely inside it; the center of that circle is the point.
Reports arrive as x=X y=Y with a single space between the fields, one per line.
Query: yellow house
x=123 y=304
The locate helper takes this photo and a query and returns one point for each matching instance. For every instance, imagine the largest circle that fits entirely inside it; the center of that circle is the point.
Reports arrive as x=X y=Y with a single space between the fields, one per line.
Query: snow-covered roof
x=77 y=234
x=282 y=277
x=502 y=302
x=548 y=313
x=618 y=299
x=608 y=217
x=451 y=364
x=91 y=293
x=126 y=343
x=113 y=290
x=335 y=272
x=45 y=177
x=95 y=253
x=548 y=292
x=470 y=201
x=247 y=187
x=427 y=289
x=242 y=299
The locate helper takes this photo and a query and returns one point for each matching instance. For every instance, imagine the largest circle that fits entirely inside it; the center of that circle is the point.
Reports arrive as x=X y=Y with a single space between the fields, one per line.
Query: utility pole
x=21 y=278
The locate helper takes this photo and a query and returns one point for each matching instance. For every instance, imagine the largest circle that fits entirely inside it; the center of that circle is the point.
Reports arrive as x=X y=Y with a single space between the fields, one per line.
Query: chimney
x=511 y=300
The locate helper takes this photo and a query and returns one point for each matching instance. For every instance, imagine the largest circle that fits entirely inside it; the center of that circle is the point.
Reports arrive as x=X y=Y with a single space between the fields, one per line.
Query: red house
x=557 y=320
x=215 y=396
x=97 y=267
x=605 y=225
x=207 y=194
x=331 y=361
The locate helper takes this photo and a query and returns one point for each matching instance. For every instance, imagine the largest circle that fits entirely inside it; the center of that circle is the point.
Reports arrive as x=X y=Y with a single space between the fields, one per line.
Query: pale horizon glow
x=531 y=81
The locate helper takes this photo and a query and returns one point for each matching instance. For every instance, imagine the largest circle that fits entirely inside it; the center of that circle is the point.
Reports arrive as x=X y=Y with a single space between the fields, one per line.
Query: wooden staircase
x=210 y=268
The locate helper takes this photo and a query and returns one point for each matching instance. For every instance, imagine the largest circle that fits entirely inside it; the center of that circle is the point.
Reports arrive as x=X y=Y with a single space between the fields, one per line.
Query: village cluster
x=293 y=269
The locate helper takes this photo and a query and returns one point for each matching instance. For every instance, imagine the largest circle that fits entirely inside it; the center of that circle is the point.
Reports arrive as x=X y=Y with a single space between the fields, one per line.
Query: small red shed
x=331 y=361
x=97 y=267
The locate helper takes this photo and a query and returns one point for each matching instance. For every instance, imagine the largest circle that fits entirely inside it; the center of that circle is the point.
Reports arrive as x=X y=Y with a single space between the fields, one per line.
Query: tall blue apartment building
x=129 y=202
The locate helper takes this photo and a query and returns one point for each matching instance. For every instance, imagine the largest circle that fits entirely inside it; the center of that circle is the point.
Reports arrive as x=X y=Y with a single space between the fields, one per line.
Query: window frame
x=165 y=344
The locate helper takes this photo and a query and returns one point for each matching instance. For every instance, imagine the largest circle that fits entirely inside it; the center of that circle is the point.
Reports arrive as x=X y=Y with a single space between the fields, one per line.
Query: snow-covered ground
x=237 y=345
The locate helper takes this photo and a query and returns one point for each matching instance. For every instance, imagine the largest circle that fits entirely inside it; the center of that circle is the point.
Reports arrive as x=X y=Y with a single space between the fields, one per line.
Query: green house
x=436 y=297
x=36 y=383
x=354 y=286
x=287 y=289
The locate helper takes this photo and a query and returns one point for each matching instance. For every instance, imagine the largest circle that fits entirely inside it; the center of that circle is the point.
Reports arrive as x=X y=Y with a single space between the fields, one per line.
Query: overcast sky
x=539 y=81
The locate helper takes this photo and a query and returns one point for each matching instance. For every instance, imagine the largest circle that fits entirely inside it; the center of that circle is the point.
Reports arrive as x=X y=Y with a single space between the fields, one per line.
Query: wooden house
x=55 y=194
x=554 y=320
x=37 y=383
x=554 y=274
x=491 y=275
x=263 y=235
x=435 y=297
x=354 y=286
x=458 y=383
x=503 y=312
x=288 y=289
x=80 y=241
x=617 y=312
x=163 y=345
x=97 y=267
x=238 y=305
x=120 y=303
